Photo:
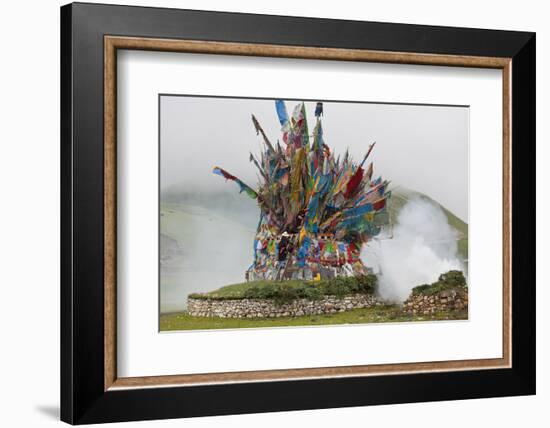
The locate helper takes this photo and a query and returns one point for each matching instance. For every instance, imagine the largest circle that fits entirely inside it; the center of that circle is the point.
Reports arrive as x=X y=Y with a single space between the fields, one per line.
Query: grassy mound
x=287 y=291
x=446 y=281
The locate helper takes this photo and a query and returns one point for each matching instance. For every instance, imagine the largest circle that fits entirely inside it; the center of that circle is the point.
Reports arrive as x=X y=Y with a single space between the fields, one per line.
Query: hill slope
x=401 y=195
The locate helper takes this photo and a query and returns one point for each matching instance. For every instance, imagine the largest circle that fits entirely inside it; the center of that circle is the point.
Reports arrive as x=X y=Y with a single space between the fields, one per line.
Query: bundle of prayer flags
x=316 y=210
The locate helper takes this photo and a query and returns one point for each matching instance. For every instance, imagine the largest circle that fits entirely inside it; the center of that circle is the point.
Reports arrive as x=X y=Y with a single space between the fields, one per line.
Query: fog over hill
x=206 y=243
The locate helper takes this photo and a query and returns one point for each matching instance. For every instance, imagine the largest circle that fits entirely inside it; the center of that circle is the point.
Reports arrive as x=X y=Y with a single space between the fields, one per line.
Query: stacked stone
x=263 y=308
x=453 y=299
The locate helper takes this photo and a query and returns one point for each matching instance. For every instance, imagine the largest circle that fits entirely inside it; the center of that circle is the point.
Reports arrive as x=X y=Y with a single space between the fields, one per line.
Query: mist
x=421 y=246
x=422 y=147
x=202 y=248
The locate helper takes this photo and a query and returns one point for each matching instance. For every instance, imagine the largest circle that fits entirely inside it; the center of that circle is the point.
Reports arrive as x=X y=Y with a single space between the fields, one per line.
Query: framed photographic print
x=265 y=213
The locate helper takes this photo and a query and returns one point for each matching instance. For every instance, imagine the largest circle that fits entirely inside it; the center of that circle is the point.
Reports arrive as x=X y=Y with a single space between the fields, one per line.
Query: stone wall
x=259 y=308
x=445 y=300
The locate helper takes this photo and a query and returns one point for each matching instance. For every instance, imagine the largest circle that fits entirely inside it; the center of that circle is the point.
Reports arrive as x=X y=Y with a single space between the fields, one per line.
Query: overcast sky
x=423 y=148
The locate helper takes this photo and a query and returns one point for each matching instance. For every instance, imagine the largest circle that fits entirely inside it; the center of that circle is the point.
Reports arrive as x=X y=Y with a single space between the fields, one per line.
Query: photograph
x=265 y=212
x=299 y=212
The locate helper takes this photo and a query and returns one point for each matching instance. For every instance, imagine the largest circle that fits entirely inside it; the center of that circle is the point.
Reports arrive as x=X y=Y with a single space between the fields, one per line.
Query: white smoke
x=422 y=246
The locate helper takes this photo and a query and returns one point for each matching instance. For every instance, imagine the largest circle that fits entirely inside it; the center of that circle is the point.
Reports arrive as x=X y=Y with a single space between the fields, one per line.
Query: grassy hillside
x=401 y=196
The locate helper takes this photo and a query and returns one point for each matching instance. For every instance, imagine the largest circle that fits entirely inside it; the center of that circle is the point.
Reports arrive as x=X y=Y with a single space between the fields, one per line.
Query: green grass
x=286 y=291
x=238 y=291
x=431 y=289
x=378 y=314
x=446 y=281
